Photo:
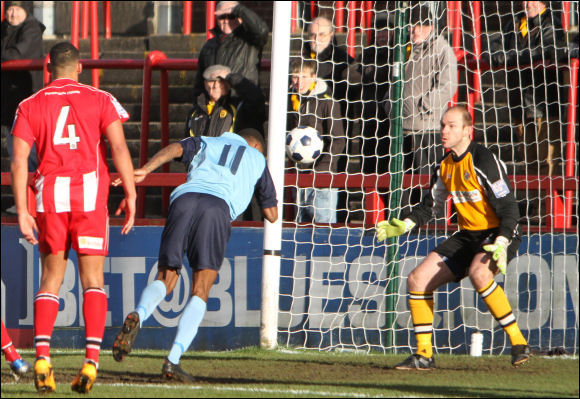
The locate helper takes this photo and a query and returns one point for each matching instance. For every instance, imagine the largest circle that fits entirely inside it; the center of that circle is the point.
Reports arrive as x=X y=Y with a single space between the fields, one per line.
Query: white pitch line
x=283 y=392
x=257 y=390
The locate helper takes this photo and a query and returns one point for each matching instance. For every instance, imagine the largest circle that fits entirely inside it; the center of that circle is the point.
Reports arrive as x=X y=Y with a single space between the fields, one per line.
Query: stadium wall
x=544 y=310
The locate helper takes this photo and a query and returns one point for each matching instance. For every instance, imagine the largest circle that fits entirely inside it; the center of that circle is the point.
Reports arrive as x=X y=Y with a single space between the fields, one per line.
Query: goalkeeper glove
x=498 y=251
x=393 y=228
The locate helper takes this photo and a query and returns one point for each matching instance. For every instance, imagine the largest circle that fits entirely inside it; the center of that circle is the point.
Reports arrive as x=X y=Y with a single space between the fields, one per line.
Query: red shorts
x=86 y=232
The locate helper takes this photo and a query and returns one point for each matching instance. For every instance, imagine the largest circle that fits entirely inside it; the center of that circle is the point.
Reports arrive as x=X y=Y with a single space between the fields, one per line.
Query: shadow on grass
x=410 y=388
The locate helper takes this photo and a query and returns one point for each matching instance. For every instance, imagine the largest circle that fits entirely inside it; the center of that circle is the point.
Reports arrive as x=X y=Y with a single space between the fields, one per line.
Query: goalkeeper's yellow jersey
x=474 y=211
x=480 y=189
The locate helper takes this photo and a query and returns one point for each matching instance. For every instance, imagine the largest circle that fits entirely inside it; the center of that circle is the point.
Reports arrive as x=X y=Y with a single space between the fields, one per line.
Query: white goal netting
x=340 y=288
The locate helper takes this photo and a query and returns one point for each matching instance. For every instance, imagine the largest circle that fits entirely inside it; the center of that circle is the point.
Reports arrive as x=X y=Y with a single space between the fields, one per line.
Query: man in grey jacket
x=430 y=82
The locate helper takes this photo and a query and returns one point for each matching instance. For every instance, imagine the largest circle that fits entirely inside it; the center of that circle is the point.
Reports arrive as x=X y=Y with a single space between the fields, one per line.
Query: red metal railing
x=90 y=13
x=187 y=17
x=209 y=18
x=342 y=180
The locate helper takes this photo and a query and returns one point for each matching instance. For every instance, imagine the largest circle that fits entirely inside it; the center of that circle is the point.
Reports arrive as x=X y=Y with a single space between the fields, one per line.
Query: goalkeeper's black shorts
x=199 y=225
x=459 y=250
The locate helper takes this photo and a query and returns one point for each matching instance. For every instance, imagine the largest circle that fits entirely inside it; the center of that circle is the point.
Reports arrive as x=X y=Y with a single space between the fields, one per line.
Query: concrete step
x=134 y=93
x=177 y=111
x=133 y=130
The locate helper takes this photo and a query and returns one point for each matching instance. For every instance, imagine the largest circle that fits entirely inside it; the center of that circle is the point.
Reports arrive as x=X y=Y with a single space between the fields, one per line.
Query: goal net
x=341 y=289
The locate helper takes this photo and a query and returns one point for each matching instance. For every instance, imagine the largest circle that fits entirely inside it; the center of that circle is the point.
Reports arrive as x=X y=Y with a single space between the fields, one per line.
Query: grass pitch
x=253 y=372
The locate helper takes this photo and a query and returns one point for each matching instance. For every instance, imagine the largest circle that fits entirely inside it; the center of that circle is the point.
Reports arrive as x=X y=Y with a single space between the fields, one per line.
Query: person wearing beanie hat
x=21 y=38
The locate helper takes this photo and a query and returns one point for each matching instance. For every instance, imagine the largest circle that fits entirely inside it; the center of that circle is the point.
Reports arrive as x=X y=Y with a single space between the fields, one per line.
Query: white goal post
x=333 y=286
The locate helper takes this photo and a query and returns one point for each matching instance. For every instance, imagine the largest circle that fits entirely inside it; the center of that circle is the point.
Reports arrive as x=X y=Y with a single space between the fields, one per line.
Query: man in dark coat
x=21 y=38
x=333 y=59
x=239 y=37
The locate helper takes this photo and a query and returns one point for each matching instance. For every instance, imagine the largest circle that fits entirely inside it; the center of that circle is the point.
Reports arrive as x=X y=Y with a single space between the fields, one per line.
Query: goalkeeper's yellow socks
x=421 y=305
x=497 y=303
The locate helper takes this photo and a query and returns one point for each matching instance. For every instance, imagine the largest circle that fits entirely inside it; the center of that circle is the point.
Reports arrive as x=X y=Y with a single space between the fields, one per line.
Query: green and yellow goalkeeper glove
x=498 y=252
x=393 y=228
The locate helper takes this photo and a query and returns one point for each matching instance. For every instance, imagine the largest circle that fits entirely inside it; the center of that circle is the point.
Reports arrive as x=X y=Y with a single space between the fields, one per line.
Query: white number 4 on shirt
x=58 y=138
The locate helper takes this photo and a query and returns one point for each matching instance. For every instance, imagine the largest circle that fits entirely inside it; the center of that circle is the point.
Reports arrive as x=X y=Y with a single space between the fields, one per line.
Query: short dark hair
x=299 y=64
x=64 y=54
x=253 y=135
x=465 y=115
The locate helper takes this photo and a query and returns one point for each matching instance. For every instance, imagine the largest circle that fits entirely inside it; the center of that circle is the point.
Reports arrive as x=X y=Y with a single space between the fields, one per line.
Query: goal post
x=398 y=77
x=333 y=286
x=276 y=151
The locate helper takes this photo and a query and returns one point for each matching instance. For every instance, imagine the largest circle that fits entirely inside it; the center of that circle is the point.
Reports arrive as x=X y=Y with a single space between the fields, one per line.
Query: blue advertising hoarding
x=332 y=290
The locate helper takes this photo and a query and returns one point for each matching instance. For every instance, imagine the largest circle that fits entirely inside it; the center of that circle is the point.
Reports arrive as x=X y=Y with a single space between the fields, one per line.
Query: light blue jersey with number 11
x=228 y=168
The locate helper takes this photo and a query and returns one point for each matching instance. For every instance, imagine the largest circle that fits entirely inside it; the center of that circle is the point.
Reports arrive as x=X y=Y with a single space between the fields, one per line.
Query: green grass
x=253 y=372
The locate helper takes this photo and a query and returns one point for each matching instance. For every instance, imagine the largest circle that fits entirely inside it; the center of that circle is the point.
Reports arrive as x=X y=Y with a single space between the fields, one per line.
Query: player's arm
x=124 y=165
x=422 y=213
x=271 y=214
x=499 y=191
x=501 y=197
x=167 y=154
x=266 y=196
x=19 y=171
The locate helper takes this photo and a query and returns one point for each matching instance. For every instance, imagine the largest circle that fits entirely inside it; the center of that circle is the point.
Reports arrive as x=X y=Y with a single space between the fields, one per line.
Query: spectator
x=310 y=105
x=333 y=60
x=239 y=37
x=430 y=82
x=535 y=36
x=216 y=111
x=333 y=68
x=21 y=39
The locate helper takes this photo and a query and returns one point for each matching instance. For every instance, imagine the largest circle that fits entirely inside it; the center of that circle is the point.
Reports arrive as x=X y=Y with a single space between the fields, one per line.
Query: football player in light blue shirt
x=223 y=173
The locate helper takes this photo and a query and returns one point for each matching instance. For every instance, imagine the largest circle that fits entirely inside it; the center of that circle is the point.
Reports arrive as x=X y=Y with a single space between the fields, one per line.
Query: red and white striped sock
x=45 y=312
x=95 y=314
x=8 y=348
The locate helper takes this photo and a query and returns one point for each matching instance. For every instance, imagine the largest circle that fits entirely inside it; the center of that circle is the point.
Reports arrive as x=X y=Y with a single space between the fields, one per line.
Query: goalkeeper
x=487 y=239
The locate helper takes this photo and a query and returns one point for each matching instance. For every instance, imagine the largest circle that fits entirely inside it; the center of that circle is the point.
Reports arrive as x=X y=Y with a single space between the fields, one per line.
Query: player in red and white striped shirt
x=69 y=121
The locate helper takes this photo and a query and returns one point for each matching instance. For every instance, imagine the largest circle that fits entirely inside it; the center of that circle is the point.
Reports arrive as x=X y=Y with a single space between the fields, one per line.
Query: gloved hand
x=393 y=228
x=498 y=251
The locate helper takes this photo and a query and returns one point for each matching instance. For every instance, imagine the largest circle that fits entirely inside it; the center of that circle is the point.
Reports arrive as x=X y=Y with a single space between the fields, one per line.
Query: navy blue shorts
x=459 y=250
x=199 y=225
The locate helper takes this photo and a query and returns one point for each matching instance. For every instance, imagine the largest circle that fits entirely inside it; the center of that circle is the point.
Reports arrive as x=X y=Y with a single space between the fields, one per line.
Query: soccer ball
x=303 y=144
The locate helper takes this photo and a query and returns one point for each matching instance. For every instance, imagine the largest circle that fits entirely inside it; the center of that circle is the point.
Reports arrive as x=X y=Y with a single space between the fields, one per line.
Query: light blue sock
x=187 y=328
x=152 y=296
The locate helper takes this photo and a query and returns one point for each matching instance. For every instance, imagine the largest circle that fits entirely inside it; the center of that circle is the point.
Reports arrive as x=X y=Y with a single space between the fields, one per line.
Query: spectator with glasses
x=239 y=37
x=333 y=60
